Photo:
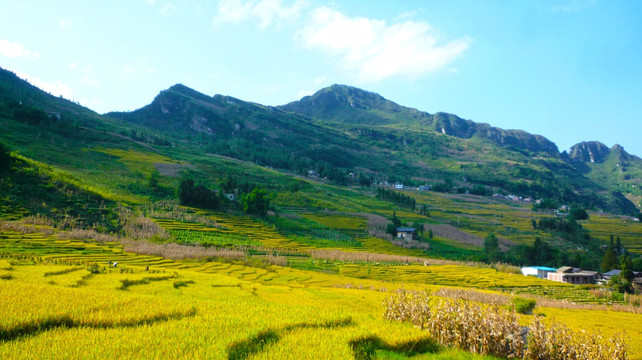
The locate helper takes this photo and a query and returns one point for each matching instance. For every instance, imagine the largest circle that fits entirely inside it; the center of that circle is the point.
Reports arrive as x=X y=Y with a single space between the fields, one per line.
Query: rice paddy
x=81 y=299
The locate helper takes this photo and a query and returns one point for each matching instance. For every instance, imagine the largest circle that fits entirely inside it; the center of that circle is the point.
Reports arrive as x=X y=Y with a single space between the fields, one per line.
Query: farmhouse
x=398 y=185
x=405 y=233
x=571 y=275
x=538 y=271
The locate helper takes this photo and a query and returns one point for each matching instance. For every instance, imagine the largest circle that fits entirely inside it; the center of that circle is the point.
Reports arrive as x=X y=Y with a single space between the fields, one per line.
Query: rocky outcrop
x=589 y=151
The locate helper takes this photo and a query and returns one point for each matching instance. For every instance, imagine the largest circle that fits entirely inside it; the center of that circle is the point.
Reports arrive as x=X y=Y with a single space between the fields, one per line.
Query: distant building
x=571 y=275
x=424 y=188
x=405 y=233
x=398 y=185
x=605 y=277
x=313 y=174
x=539 y=271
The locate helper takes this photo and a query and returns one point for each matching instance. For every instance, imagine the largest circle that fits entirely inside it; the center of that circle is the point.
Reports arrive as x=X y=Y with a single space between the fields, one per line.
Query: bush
x=522 y=306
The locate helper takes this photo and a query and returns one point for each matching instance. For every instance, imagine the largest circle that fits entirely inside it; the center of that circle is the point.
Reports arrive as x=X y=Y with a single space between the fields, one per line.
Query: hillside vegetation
x=236 y=230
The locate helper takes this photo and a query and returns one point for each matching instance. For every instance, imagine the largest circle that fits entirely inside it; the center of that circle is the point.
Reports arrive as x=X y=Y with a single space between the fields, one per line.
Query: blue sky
x=570 y=70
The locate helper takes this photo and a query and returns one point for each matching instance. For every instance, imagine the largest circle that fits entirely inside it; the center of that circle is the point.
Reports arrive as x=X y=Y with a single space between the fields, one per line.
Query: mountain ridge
x=388 y=143
x=347 y=104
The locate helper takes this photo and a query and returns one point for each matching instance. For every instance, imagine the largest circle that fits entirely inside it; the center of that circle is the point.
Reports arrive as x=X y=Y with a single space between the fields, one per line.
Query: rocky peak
x=589 y=151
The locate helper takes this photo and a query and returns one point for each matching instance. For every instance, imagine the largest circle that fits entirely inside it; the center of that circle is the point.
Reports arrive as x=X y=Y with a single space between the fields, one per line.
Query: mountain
x=613 y=168
x=349 y=105
x=343 y=133
x=342 y=130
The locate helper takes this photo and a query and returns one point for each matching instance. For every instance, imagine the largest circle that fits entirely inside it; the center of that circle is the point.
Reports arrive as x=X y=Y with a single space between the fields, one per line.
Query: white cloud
x=320 y=80
x=63 y=23
x=265 y=11
x=14 y=50
x=54 y=88
x=374 y=50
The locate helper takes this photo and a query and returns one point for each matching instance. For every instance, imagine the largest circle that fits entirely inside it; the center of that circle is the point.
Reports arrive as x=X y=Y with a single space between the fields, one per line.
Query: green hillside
x=308 y=166
x=238 y=230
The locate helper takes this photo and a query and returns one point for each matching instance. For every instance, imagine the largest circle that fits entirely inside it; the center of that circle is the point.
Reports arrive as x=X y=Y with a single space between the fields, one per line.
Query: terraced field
x=62 y=297
x=602 y=226
x=195 y=233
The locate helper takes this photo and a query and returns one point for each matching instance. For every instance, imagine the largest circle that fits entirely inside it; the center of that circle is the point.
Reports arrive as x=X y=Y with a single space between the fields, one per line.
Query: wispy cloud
x=374 y=50
x=14 y=50
x=54 y=88
x=265 y=11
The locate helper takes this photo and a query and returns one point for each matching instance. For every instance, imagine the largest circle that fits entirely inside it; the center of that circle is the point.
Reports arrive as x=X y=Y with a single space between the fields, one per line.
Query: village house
x=538 y=271
x=571 y=275
x=405 y=233
x=604 y=278
x=398 y=185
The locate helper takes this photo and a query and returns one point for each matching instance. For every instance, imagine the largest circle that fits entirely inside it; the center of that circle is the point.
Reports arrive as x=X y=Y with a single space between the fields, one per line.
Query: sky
x=570 y=70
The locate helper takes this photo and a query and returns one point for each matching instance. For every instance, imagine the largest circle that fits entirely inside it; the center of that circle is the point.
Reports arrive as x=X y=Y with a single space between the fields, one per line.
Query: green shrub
x=523 y=306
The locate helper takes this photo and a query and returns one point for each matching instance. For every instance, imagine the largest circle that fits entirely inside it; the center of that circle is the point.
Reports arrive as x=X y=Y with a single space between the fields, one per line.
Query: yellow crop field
x=602 y=226
x=61 y=299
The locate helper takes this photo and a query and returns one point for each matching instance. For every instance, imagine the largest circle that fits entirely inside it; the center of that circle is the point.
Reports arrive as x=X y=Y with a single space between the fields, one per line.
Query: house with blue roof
x=538 y=271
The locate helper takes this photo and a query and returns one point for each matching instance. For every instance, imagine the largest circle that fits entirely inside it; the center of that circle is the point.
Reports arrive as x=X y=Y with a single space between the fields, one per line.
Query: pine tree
x=609 y=261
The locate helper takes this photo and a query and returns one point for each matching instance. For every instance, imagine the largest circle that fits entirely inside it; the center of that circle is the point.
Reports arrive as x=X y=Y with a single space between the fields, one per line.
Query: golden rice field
x=60 y=299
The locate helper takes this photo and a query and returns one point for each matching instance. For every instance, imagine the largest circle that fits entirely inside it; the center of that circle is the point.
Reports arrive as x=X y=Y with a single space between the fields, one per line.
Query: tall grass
x=142 y=228
x=362 y=257
x=376 y=226
x=180 y=252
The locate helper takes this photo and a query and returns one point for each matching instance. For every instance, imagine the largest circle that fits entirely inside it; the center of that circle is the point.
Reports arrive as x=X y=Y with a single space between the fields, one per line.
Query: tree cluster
x=197 y=194
x=445 y=187
x=256 y=202
x=397 y=198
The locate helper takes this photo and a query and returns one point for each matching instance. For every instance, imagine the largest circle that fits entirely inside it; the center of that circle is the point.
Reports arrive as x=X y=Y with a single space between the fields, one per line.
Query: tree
x=623 y=282
x=193 y=194
x=391 y=229
x=256 y=202
x=395 y=220
x=609 y=261
x=153 y=179
x=578 y=213
x=419 y=228
x=430 y=234
x=491 y=248
x=619 y=250
x=424 y=211
x=5 y=157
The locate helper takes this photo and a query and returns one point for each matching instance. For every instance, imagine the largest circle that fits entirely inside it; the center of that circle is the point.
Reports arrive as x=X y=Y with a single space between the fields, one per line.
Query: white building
x=539 y=271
